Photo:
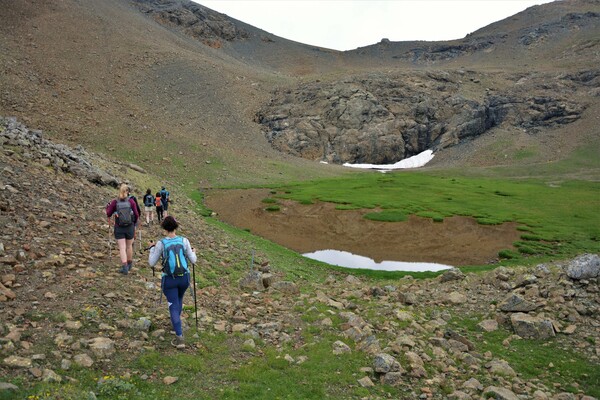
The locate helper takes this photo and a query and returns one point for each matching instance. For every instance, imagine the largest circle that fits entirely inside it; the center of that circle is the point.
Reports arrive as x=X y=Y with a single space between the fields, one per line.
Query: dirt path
x=457 y=241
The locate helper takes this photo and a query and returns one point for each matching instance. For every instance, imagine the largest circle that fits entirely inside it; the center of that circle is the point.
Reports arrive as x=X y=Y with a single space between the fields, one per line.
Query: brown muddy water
x=457 y=241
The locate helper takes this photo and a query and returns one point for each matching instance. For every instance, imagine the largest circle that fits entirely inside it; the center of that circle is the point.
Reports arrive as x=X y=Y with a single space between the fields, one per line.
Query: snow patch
x=412 y=162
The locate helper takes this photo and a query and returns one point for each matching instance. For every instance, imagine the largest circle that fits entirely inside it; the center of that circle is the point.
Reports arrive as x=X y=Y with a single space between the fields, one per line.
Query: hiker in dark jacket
x=164 y=195
x=173 y=284
x=125 y=215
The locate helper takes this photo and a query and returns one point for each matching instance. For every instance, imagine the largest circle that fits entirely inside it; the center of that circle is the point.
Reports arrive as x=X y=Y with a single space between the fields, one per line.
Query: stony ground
x=63 y=302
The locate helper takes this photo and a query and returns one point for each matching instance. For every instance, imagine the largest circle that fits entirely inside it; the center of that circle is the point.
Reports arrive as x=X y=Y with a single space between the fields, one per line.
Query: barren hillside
x=146 y=81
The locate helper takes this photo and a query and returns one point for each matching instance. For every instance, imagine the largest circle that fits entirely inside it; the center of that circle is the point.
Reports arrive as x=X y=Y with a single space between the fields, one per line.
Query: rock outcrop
x=383 y=118
x=193 y=19
x=15 y=136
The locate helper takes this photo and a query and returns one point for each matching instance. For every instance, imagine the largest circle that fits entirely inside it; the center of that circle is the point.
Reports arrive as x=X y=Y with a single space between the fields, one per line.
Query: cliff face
x=383 y=118
x=193 y=19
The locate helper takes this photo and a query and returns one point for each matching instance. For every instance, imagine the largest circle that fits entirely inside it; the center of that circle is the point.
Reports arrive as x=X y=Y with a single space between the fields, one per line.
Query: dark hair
x=169 y=224
x=148 y=191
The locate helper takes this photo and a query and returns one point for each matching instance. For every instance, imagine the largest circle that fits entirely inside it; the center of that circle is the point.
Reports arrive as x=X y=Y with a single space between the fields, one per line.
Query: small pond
x=349 y=260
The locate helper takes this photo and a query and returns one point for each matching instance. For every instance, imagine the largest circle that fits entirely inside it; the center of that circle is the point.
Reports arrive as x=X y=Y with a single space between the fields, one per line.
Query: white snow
x=412 y=162
x=349 y=260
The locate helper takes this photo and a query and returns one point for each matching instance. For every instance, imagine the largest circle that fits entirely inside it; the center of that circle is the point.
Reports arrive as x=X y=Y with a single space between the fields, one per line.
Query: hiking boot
x=124 y=270
x=129 y=265
x=178 y=342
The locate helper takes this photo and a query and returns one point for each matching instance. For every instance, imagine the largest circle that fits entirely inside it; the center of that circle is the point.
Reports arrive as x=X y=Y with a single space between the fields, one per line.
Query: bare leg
x=129 y=253
x=122 y=250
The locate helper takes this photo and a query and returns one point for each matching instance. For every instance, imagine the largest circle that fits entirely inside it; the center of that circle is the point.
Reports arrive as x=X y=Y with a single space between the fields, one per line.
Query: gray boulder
x=384 y=363
x=453 y=274
x=531 y=327
x=498 y=393
x=516 y=303
x=586 y=266
x=5 y=386
x=252 y=281
x=286 y=287
x=102 y=347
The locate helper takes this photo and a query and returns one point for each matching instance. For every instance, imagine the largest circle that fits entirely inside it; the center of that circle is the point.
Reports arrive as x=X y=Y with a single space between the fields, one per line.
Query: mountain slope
x=131 y=79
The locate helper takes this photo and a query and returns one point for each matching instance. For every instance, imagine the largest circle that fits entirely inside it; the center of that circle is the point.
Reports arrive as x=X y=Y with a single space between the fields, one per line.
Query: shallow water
x=305 y=228
x=349 y=260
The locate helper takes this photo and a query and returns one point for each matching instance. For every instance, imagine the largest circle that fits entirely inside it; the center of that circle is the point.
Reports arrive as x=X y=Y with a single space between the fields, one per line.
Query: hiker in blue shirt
x=177 y=254
x=164 y=195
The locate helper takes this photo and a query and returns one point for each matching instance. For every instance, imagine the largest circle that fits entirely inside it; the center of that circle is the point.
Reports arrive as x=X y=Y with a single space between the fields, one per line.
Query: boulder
x=252 y=281
x=586 y=266
x=50 y=376
x=455 y=298
x=5 y=386
x=498 y=393
x=18 y=362
x=488 y=325
x=286 y=287
x=84 y=360
x=417 y=367
x=340 y=347
x=407 y=298
x=516 y=303
x=404 y=316
x=366 y=382
x=501 y=368
x=143 y=324
x=384 y=363
x=102 y=347
x=453 y=274
x=392 y=378
x=532 y=327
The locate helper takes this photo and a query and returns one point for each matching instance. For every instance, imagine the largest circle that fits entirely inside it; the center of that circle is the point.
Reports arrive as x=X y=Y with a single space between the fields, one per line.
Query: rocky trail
x=63 y=304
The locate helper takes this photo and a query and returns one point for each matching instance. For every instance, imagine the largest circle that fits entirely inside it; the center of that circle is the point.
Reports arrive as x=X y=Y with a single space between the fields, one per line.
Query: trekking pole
x=195 y=295
x=109 y=243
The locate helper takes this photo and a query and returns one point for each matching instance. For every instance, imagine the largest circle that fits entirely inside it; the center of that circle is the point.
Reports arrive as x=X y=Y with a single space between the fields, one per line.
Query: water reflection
x=349 y=260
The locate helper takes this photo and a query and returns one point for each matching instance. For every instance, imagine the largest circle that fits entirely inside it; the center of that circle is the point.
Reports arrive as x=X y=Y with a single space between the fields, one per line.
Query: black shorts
x=124 y=232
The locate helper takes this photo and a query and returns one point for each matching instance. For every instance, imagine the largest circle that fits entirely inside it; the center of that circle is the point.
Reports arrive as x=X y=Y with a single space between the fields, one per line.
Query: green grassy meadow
x=557 y=220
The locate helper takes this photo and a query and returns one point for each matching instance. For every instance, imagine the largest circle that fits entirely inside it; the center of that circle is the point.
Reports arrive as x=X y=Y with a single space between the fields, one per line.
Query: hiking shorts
x=148 y=209
x=124 y=232
x=166 y=205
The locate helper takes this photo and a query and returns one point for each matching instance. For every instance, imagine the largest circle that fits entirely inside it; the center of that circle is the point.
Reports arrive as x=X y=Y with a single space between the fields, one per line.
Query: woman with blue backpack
x=177 y=255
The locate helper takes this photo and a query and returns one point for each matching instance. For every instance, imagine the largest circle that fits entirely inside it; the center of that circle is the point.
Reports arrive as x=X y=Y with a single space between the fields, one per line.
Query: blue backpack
x=148 y=200
x=174 y=262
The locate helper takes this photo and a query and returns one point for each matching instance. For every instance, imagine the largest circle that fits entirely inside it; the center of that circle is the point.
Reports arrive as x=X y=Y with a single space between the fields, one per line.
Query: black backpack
x=124 y=213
